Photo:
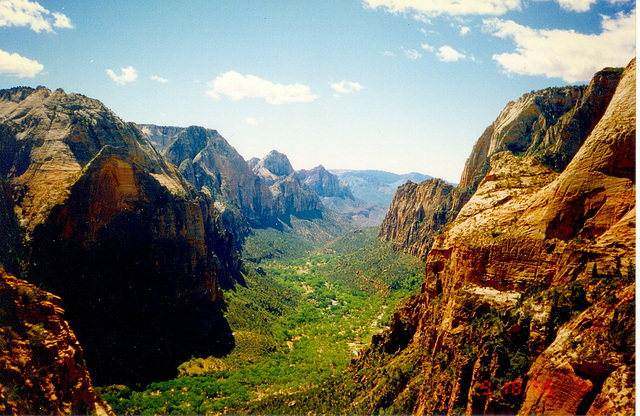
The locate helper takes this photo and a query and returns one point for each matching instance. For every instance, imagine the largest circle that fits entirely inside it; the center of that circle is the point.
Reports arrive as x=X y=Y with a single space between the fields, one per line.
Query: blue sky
x=397 y=85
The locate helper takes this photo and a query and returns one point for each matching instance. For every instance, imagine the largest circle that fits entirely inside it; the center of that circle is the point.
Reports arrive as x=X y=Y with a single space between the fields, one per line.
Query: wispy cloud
x=447 y=54
x=237 y=86
x=566 y=54
x=412 y=53
x=127 y=75
x=158 y=79
x=388 y=53
x=346 y=87
x=464 y=30
x=427 y=47
x=12 y=63
x=31 y=14
x=576 y=5
x=428 y=8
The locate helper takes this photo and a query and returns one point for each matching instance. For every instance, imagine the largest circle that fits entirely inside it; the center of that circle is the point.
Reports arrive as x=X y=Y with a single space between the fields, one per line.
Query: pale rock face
x=273 y=167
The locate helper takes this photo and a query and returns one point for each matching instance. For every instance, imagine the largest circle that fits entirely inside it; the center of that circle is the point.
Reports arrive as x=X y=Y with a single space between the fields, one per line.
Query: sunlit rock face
x=551 y=125
x=134 y=251
x=41 y=366
x=528 y=301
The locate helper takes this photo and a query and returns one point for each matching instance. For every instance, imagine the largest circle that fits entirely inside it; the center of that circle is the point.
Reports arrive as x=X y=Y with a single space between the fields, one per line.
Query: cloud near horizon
x=423 y=9
x=12 y=63
x=127 y=75
x=237 y=87
x=453 y=8
x=565 y=54
x=33 y=15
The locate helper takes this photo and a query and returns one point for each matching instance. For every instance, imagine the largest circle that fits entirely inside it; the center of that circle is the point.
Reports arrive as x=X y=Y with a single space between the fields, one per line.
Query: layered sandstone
x=527 y=305
x=550 y=125
x=212 y=165
x=135 y=252
x=41 y=362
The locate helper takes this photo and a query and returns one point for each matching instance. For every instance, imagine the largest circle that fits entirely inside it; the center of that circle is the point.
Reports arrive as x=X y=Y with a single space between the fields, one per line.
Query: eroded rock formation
x=42 y=368
x=550 y=124
x=134 y=251
x=528 y=302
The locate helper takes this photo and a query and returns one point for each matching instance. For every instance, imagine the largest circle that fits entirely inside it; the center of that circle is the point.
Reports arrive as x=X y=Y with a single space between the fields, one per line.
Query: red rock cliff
x=528 y=302
x=550 y=124
x=41 y=363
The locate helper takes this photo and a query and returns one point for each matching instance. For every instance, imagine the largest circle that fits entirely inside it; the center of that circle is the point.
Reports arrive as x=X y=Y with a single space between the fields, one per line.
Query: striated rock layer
x=528 y=305
x=42 y=368
x=133 y=250
x=550 y=124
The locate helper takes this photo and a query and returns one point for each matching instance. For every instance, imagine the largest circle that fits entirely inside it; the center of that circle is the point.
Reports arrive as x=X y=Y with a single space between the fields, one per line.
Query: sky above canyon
x=396 y=85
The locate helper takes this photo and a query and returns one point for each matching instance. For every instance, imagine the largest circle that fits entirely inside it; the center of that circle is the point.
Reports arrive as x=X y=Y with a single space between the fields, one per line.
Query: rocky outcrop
x=417 y=214
x=160 y=136
x=290 y=197
x=41 y=363
x=324 y=183
x=528 y=300
x=551 y=125
x=212 y=165
x=274 y=167
x=133 y=250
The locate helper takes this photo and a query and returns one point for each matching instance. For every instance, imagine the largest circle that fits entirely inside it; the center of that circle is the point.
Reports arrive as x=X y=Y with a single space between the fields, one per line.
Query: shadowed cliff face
x=210 y=163
x=41 y=366
x=133 y=250
x=551 y=125
x=528 y=302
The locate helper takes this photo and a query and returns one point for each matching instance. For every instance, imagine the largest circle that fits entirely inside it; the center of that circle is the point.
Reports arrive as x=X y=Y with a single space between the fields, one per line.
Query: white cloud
x=127 y=75
x=566 y=54
x=252 y=121
x=62 y=21
x=427 y=47
x=31 y=14
x=448 y=54
x=345 y=87
x=12 y=63
x=412 y=53
x=453 y=8
x=158 y=79
x=237 y=86
x=464 y=30
x=388 y=53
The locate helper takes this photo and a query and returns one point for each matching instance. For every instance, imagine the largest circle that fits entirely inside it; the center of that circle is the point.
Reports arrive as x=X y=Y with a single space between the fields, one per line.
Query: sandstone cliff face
x=274 y=167
x=160 y=136
x=527 y=305
x=41 y=363
x=550 y=124
x=211 y=164
x=324 y=183
x=417 y=214
x=133 y=250
x=290 y=197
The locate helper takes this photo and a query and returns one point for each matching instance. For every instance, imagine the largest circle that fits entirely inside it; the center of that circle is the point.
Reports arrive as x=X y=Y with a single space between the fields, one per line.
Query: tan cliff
x=550 y=124
x=135 y=252
x=41 y=362
x=528 y=303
